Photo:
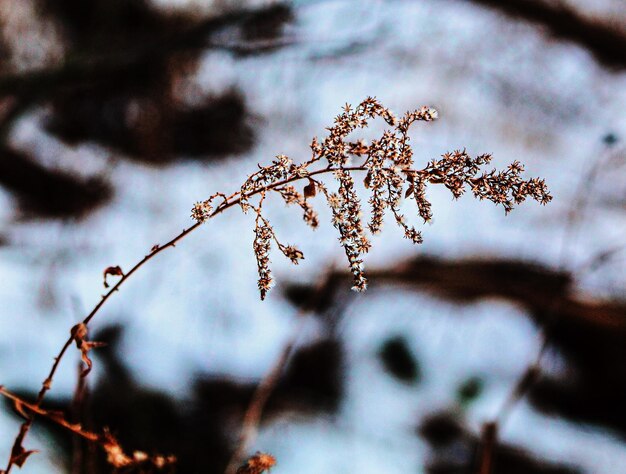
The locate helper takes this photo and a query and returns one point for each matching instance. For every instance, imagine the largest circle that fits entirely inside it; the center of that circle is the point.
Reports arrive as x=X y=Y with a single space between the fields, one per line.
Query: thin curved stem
x=228 y=203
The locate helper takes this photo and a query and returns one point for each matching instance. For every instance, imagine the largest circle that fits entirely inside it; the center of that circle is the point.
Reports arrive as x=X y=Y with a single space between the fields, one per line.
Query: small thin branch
x=55 y=417
x=252 y=417
x=487 y=445
x=77 y=410
x=523 y=385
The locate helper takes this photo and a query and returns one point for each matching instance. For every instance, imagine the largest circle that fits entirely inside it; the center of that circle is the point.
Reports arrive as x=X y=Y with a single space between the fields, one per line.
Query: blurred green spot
x=399 y=361
x=470 y=390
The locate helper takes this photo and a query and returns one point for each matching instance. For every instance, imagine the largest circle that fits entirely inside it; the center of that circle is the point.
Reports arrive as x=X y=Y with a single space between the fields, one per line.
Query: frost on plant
x=389 y=177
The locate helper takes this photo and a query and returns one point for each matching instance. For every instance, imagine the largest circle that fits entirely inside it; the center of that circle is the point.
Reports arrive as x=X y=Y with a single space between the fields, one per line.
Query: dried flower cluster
x=139 y=462
x=390 y=178
x=257 y=464
x=457 y=169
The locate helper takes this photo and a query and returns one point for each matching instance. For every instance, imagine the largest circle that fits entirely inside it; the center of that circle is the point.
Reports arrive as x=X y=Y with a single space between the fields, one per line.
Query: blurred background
x=117 y=115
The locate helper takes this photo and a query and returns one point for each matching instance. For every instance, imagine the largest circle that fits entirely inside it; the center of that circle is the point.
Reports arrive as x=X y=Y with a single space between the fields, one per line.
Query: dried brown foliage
x=257 y=464
x=113 y=271
x=138 y=462
x=389 y=178
x=79 y=334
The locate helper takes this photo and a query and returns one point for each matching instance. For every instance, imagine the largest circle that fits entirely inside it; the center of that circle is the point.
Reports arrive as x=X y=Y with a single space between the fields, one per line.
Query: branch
x=389 y=167
x=264 y=390
x=487 y=445
x=115 y=454
x=252 y=416
x=55 y=416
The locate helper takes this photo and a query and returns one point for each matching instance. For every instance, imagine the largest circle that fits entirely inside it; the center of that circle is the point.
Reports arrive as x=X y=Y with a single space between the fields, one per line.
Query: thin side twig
x=115 y=454
x=264 y=390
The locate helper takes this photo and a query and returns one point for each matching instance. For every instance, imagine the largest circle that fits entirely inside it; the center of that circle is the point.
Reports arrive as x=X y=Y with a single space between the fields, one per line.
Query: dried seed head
x=293 y=254
x=390 y=178
x=201 y=211
x=257 y=464
x=262 y=238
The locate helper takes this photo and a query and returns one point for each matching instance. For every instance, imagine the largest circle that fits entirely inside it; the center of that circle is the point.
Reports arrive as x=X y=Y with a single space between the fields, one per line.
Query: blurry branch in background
x=554 y=309
x=125 y=81
x=454 y=446
x=10 y=109
x=587 y=333
x=601 y=258
x=252 y=416
x=606 y=41
x=390 y=178
x=488 y=441
x=76 y=414
x=534 y=287
x=49 y=192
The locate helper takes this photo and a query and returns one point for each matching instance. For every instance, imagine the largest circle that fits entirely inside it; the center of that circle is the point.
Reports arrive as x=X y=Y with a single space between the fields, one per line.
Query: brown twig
x=252 y=417
x=21 y=405
x=77 y=409
x=115 y=454
x=488 y=438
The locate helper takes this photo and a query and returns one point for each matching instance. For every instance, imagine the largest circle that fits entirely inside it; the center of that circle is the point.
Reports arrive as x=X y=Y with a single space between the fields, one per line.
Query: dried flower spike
x=390 y=177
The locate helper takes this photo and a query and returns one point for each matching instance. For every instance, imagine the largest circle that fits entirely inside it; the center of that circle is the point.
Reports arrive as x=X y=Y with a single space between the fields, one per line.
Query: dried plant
x=389 y=178
x=257 y=464
x=119 y=460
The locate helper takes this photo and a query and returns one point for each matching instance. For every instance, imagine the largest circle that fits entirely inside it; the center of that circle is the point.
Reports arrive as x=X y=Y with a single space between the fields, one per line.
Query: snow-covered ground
x=500 y=87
